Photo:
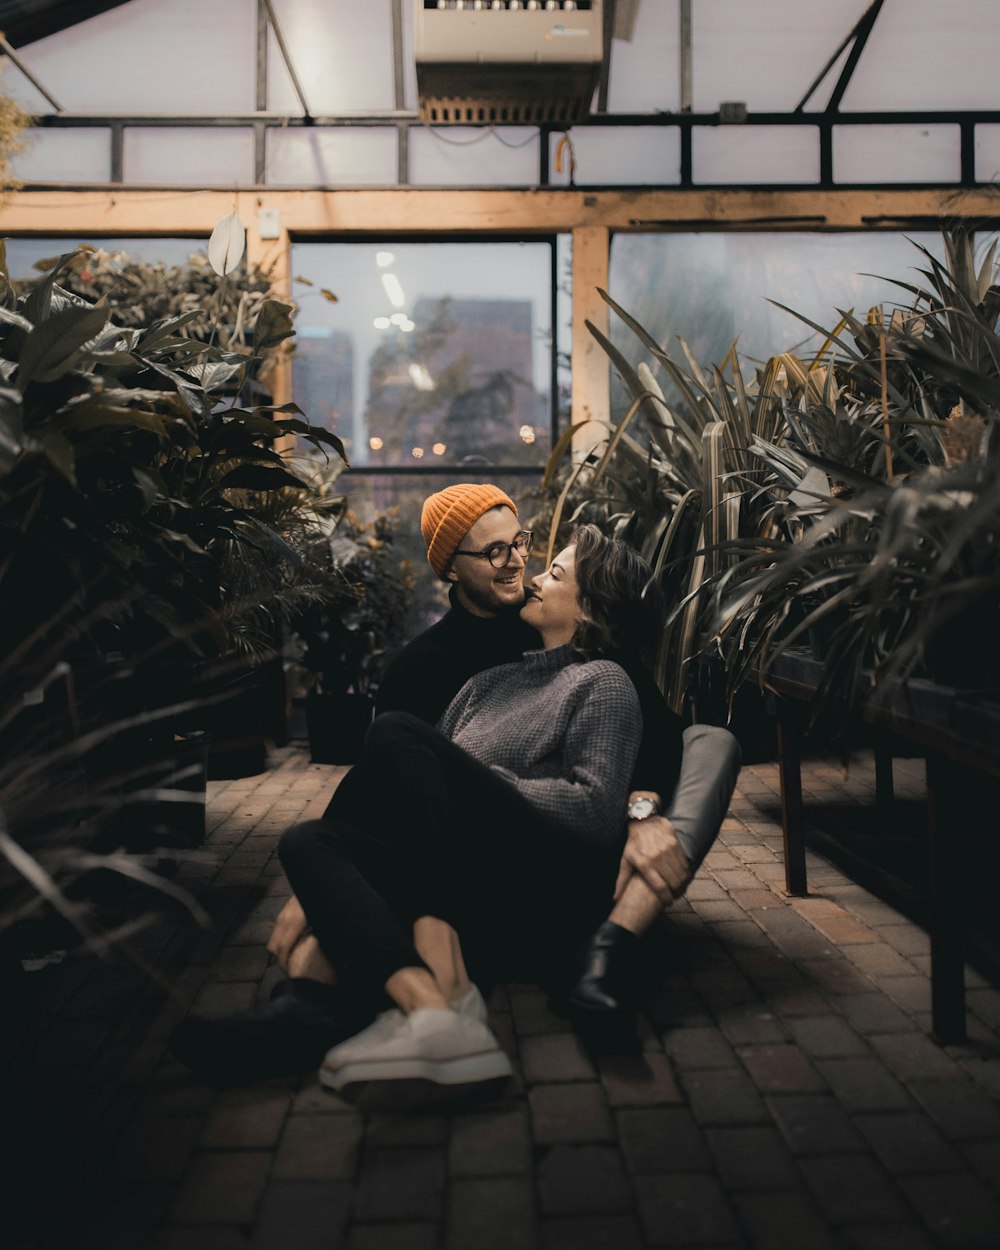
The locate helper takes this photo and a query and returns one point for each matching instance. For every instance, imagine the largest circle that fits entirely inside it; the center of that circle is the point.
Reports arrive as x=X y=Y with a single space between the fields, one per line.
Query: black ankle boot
x=609 y=971
x=284 y=1037
x=602 y=1004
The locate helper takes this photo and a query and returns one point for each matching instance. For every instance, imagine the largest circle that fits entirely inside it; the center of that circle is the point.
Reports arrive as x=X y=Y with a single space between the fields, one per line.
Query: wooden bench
x=958 y=733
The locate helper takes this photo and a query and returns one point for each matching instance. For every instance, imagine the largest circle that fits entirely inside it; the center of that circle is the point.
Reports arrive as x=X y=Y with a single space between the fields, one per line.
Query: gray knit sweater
x=562 y=732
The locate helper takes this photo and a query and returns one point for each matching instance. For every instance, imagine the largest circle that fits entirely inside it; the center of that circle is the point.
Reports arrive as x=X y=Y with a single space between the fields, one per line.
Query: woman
x=506 y=822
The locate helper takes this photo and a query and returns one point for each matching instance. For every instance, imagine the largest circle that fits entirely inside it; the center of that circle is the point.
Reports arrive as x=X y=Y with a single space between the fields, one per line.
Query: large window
x=713 y=289
x=434 y=362
x=23 y=254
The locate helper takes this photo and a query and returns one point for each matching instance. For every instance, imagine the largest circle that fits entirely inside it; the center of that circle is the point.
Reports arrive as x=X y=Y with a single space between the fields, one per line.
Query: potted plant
x=345 y=639
x=129 y=492
x=219 y=330
x=130 y=481
x=895 y=554
x=667 y=476
x=843 y=501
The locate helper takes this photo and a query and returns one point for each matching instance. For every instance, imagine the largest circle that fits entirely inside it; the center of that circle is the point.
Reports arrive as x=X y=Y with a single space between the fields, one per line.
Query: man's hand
x=288 y=930
x=653 y=852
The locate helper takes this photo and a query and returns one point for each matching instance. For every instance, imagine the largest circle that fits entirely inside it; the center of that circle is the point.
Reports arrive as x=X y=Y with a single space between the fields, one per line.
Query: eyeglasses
x=499 y=554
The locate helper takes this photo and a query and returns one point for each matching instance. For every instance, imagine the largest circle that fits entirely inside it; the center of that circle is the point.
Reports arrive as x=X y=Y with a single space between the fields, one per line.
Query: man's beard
x=487 y=602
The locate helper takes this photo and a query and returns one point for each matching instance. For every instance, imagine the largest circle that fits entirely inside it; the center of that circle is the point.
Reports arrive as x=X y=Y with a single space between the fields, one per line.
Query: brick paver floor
x=788 y=1095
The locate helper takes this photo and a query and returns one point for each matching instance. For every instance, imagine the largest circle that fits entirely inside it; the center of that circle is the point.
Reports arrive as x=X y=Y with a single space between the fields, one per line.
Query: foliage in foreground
x=851 y=497
x=140 y=293
x=133 y=482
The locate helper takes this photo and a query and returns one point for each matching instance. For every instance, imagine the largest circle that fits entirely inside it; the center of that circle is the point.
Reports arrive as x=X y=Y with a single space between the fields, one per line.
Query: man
x=476 y=543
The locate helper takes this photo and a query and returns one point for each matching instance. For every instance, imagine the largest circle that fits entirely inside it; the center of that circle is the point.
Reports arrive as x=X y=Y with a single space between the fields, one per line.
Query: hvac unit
x=513 y=61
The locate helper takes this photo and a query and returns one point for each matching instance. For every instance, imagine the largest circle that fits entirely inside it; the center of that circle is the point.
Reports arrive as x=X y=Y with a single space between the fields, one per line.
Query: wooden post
x=274 y=257
x=591 y=368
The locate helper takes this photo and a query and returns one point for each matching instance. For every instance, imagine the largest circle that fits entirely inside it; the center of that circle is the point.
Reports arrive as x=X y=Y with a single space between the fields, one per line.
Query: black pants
x=419 y=827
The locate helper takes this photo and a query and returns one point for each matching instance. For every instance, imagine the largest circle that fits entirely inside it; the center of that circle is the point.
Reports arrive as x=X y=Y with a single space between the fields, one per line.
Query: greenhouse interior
x=565 y=421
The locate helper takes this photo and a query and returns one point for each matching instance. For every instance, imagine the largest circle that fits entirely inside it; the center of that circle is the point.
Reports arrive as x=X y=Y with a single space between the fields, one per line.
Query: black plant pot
x=155 y=771
x=186 y=817
x=237 y=723
x=14 y=985
x=337 y=724
x=751 y=718
x=963 y=652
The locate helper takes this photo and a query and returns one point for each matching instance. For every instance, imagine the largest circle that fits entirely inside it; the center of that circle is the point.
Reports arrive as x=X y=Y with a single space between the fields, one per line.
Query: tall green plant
x=140 y=293
x=131 y=481
x=669 y=478
x=785 y=504
x=896 y=557
x=123 y=452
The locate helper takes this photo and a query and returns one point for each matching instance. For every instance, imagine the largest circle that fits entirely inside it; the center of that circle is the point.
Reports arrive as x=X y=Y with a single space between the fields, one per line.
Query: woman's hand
x=289 y=928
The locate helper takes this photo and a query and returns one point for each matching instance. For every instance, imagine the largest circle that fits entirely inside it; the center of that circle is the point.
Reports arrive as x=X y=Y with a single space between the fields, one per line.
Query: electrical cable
x=523 y=144
x=487 y=131
x=456 y=143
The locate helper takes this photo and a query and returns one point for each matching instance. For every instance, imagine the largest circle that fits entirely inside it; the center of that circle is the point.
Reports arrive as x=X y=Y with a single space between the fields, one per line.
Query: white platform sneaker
x=429 y=1056
x=471 y=1004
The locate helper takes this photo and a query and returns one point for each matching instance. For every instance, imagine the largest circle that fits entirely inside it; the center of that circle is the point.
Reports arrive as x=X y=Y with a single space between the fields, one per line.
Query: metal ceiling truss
x=686 y=123
x=14 y=59
x=286 y=55
x=858 y=35
x=615 y=12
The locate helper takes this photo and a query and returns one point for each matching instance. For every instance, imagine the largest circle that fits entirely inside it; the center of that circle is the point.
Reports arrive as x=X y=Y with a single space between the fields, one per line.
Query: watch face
x=641 y=809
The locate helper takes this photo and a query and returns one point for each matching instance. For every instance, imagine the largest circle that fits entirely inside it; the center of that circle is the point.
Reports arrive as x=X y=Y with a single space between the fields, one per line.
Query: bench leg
x=884 y=789
x=944 y=802
x=790 y=773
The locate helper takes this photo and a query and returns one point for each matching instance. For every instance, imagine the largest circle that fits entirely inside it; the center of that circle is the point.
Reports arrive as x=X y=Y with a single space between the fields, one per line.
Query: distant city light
x=417 y=453
x=375 y=443
x=527 y=433
x=394 y=290
x=420 y=377
x=399 y=319
x=407 y=326
x=439 y=449
x=381 y=323
x=383 y=259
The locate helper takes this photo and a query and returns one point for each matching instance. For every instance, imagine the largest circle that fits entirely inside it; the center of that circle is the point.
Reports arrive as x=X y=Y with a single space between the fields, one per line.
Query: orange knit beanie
x=449 y=515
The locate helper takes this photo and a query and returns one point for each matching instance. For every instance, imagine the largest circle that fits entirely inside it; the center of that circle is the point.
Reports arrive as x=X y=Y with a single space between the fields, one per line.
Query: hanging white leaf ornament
x=225 y=247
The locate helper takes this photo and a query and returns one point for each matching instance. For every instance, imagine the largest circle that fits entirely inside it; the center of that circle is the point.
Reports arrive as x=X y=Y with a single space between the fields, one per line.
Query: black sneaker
x=285 y=1037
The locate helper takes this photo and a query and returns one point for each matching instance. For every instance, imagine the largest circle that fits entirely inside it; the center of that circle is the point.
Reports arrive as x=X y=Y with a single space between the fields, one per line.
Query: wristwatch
x=642 y=808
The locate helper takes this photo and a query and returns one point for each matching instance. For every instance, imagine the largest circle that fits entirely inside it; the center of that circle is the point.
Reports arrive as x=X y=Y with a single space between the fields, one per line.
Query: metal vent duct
x=513 y=61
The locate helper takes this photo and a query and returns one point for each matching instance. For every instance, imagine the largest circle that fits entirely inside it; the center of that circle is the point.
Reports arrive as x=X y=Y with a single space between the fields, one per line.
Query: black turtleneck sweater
x=430 y=671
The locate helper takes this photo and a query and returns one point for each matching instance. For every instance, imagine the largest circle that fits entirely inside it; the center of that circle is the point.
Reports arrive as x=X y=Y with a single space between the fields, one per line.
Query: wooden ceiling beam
x=306 y=213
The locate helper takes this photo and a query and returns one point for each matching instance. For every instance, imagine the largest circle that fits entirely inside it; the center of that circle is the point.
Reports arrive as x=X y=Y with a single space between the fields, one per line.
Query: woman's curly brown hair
x=621 y=607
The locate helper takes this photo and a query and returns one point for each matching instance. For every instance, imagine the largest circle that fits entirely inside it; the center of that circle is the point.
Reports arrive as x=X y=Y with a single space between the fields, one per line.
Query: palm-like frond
x=827 y=495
